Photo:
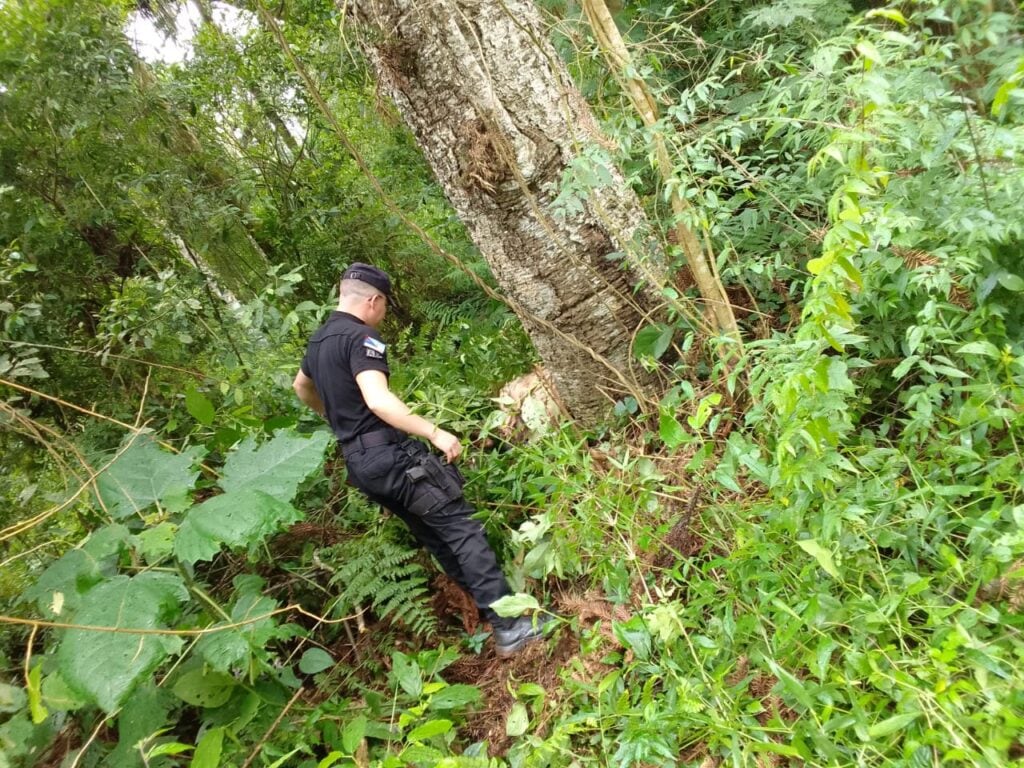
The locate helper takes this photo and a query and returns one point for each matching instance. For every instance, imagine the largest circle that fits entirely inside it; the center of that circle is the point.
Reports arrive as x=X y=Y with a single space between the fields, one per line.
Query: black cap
x=370 y=275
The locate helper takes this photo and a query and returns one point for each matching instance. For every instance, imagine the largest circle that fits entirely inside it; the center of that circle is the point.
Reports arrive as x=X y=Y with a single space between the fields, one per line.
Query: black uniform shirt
x=343 y=347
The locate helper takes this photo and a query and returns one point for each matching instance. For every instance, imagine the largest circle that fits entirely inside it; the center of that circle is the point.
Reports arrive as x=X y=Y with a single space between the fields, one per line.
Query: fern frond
x=383 y=574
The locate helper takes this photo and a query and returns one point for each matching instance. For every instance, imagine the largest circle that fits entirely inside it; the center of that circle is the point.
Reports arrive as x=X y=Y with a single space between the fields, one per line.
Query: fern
x=446 y=313
x=383 y=574
x=783 y=13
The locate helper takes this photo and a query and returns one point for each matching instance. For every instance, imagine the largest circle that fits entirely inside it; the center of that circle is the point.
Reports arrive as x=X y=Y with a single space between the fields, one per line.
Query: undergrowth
x=812 y=556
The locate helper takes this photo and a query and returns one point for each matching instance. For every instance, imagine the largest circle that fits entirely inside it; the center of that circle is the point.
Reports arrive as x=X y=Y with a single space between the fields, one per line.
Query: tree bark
x=495 y=113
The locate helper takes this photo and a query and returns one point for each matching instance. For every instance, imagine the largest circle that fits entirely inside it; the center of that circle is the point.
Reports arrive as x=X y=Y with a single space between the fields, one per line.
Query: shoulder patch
x=374 y=348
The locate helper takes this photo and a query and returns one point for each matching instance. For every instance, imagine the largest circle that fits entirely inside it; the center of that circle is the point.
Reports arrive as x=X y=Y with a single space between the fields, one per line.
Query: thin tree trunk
x=188 y=147
x=701 y=263
x=281 y=129
x=494 y=112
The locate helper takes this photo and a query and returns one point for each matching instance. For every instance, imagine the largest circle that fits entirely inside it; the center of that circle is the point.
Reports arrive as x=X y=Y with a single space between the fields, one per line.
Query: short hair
x=350 y=287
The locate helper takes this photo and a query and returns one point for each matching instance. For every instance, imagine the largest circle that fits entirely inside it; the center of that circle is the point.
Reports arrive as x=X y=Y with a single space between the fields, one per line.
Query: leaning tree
x=500 y=122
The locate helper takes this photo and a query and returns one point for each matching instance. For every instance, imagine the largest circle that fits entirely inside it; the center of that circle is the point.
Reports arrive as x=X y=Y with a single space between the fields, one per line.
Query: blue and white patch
x=374 y=348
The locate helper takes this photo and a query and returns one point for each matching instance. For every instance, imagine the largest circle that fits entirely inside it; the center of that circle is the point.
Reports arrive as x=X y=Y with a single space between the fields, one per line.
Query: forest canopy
x=724 y=299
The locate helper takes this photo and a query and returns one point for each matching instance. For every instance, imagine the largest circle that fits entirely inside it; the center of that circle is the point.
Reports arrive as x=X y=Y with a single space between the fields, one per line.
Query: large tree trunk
x=499 y=121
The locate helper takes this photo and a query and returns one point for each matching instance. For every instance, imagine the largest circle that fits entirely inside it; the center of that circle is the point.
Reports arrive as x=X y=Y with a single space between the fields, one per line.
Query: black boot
x=511 y=635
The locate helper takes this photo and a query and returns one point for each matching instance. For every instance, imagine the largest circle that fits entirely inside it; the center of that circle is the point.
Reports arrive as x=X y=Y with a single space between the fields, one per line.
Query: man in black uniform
x=344 y=378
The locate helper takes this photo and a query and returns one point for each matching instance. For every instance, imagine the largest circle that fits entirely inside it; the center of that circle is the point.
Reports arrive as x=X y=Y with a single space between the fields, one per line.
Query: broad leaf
x=276 y=467
x=653 y=341
x=455 y=696
x=59 y=588
x=208 y=750
x=143 y=714
x=515 y=605
x=234 y=646
x=204 y=687
x=106 y=665
x=354 y=732
x=12 y=698
x=157 y=542
x=58 y=696
x=315 y=660
x=429 y=729
x=238 y=519
x=199 y=406
x=822 y=555
x=518 y=720
x=144 y=475
x=892 y=724
x=671 y=431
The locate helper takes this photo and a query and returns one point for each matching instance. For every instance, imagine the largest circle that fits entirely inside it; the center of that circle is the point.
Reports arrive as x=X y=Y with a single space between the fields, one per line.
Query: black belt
x=373 y=439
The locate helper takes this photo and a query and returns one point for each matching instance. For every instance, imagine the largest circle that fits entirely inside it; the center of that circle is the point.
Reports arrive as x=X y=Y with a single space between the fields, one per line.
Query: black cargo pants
x=426 y=493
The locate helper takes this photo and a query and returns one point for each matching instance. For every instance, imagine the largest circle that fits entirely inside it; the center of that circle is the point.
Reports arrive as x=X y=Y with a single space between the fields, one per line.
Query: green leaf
x=775 y=748
x=199 y=406
x=276 y=467
x=1011 y=282
x=892 y=724
x=331 y=759
x=653 y=341
x=518 y=720
x=35 y=695
x=226 y=647
x=168 y=748
x=57 y=695
x=60 y=587
x=1003 y=94
x=143 y=716
x=429 y=729
x=869 y=52
x=791 y=684
x=671 y=431
x=157 y=542
x=980 y=348
x=515 y=605
x=284 y=758
x=204 y=688
x=887 y=13
x=208 y=749
x=315 y=660
x=407 y=673
x=454 y=696
x=239 y=518
x=355 y=731
x=822 y=555
x=12 y=698
x=107 y=665
x=144 y=475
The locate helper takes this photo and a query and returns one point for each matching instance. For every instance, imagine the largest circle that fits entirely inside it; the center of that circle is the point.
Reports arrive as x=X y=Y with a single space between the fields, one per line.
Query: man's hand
x=446 y=443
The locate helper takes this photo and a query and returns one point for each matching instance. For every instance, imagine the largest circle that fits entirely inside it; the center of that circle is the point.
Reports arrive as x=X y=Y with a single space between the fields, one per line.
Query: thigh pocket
x=435 y=484
x=427 y=498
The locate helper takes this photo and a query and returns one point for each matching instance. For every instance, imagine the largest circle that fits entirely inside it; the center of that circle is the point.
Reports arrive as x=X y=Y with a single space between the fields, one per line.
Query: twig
x=28 y=656
x=88 y=412
x=359 y=617
x=272 y=728
x=174 y=632
x=14 y=530
x=104 y=354
x=92 y=738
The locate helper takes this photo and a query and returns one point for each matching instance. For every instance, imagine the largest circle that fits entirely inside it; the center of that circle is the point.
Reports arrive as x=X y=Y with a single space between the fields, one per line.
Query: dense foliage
x=812 y=555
